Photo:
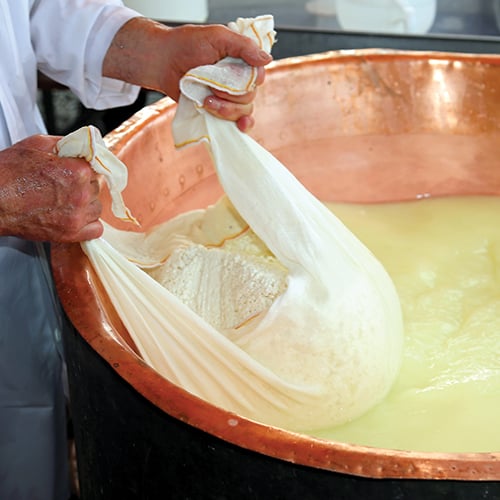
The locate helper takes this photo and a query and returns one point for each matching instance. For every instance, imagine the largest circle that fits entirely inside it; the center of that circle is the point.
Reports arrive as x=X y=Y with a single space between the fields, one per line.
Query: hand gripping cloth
x=316 y=352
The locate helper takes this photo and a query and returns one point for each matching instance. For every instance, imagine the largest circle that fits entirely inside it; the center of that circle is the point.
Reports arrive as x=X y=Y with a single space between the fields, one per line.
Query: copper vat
x=365 y=126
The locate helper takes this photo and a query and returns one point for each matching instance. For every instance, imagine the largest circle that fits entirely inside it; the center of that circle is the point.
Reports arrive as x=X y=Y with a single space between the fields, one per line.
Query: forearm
x=134 y=53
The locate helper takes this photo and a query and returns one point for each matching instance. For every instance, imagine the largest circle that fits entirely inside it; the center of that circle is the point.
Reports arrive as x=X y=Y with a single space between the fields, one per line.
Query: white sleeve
x=71 y=38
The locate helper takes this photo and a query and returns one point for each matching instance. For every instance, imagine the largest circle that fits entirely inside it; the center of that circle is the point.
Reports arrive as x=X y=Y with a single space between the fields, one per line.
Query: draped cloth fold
x=327 y=349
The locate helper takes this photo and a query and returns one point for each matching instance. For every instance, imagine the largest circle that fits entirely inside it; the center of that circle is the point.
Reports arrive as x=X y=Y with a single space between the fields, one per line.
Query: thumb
x=256 y=56
x=243 y=47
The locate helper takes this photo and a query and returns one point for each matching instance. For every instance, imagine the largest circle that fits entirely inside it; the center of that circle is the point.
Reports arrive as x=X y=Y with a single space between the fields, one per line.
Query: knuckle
x=83 y=172
x=73 y=223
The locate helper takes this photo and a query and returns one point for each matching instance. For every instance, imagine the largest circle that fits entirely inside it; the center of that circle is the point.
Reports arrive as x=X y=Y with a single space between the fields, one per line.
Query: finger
x=91 y=231
x=227 y=110
x=261 y=74
x=239 y=99
x=44 y=143
x=256 y=57
x=245 y=123
x=95 y=185
x=245 y=48
x=94 y=210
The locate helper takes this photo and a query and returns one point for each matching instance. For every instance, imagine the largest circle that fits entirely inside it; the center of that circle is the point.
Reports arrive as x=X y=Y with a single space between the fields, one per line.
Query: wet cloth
x=328 y=347
x=66 y=40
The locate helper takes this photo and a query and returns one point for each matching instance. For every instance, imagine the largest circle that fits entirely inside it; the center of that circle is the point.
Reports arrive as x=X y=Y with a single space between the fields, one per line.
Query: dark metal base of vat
x=129 y=449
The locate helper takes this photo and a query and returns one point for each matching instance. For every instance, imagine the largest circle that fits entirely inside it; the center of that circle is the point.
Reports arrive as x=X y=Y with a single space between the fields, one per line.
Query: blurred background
x=306 y=27
x=459 y=17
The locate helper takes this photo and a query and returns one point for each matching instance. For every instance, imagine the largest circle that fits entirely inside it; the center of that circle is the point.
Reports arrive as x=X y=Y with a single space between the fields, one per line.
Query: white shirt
x=67 y=41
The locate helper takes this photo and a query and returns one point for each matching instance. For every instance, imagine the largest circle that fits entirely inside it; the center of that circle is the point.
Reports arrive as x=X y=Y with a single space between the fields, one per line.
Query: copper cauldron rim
x=286 y=445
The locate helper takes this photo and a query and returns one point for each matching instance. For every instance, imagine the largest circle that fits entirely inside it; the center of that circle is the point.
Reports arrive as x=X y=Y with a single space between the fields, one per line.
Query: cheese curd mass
x=311 y=343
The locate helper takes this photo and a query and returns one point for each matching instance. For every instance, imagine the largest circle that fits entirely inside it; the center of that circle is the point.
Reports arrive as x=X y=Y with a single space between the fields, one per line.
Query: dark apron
x=33 y=444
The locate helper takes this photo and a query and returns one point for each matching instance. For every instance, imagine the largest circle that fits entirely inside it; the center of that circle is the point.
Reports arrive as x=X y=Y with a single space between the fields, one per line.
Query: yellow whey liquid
x=444 y=257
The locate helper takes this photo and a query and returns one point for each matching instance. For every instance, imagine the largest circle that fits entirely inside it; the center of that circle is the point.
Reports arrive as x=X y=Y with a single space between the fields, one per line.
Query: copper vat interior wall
x=365 y=126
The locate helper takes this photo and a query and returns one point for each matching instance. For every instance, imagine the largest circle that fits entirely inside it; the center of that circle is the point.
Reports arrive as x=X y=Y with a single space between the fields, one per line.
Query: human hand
x=207 y=45
x=47 y=198
x=157 y=57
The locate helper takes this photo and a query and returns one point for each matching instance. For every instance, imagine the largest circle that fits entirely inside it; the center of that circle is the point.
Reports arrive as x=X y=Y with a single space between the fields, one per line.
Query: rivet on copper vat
x=363 y=126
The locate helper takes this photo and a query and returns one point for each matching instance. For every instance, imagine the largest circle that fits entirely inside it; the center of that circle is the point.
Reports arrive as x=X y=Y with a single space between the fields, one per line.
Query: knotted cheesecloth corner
x=322 y=340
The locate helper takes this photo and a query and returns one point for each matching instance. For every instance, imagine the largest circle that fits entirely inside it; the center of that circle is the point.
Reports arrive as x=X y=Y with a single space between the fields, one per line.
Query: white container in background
x=386 y=16
x=189 y=11
x=321 y=7
x=496 y=8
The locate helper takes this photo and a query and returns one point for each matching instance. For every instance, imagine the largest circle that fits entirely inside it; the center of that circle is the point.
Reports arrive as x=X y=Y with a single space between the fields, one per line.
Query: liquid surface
x=444 y=257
